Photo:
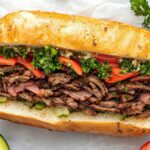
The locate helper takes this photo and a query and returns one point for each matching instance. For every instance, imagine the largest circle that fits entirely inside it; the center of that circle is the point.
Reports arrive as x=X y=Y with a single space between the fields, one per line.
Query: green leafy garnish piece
x=104 y=70
x=145 y=68
x=46 y=59
x=8 y=52
x=141 y=8
x=128 y=66
x=39 y=105
x=21 y=51
x=88 y=65
x=91 y=64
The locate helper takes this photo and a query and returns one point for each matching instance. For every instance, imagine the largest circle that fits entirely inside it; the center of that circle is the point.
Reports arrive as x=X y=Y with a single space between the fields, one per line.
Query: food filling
x=75 y=81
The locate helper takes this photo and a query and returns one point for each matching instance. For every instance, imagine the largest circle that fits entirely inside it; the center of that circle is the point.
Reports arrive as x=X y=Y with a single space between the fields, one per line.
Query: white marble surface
x=21 y=137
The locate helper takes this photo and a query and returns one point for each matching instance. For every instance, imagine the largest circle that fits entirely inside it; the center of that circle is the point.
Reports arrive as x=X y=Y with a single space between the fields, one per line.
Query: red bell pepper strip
x=7 y=61
x=119 y=72
x=146 y=146
x=73 y=64
x=28 y=65
x=113 y=65
x=117 y=75
x=107 y=58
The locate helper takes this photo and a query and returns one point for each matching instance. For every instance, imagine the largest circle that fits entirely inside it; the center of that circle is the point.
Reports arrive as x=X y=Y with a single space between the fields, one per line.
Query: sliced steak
x=145 y=114
x=133 y=108
x=47 y=101
x=16 y=78
x=94 y=91
x=104 y=109
x=6 y=95
x=132 y=86
x=78 y=95
x=93 y=99
x=145 y=98
x=109 y=104
x=126 y=97
x=111 y=95
x=11 y=69
x=11 y=91
x=99 y=83
x=26 y=96
x=71 y=103
x=22 y=86
x=140 y=78
x=58 y=101
x=59 y=78
x=34 y=89
x=90 y=112
x=71 y=86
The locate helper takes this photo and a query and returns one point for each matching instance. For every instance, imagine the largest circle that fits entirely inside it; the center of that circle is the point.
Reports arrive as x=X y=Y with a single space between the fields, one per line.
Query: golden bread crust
x=76 y=33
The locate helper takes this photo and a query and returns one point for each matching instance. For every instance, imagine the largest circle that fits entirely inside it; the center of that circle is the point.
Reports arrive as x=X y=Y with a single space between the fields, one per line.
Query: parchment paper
x=21 y=137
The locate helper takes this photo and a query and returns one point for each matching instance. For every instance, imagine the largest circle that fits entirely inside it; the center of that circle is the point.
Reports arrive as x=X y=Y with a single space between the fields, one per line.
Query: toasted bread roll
x=76 y=33
x=80 y=34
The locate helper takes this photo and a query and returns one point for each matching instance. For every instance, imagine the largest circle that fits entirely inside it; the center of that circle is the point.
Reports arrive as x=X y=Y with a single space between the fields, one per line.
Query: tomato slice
x=107 y=58
x=28 y=65
x=7 y=61
x=73 y=64
x=116 y=75
x=146 y=146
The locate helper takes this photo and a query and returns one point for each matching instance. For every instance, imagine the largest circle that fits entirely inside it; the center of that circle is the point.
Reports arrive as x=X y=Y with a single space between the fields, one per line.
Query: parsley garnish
x=8 y=52
x=46 y=58
x=141 y=8
x=145 y=68
x=15 y=51
x=128 y=66
x=91 y=64
x=21 y=51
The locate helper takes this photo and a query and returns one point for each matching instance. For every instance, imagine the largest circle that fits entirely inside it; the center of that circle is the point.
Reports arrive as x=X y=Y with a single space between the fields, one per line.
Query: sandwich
x=74 y=73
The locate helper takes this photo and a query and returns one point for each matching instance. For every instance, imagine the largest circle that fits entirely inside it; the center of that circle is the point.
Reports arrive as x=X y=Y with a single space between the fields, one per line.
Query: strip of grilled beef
x=140 y=78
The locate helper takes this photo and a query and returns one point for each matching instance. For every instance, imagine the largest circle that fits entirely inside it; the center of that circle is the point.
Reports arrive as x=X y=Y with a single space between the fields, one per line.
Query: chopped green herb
x=8 y=52
x=40 y=105
x=128 y=66
x=104 y=71
x=73 y=73
x=145 y=68
x=21 y=51
x=141 y=8
x=114 y=93
x=126 y=89
x=91 y=64
x=46 y=58
x=88 y=65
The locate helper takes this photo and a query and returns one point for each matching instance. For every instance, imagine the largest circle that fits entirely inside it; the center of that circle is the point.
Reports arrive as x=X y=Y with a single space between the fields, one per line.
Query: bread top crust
x=75 y=32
